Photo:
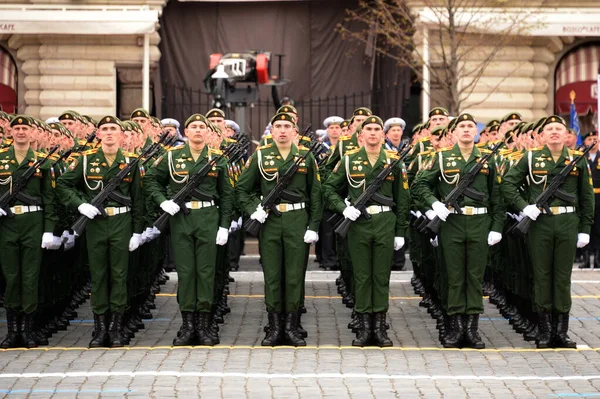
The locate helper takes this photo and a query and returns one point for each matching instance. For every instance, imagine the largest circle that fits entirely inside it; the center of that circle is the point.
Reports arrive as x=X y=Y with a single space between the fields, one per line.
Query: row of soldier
x=369 y=156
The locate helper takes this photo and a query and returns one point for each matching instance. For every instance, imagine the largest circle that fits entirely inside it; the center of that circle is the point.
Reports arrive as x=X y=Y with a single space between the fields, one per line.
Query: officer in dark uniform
x=593 y=158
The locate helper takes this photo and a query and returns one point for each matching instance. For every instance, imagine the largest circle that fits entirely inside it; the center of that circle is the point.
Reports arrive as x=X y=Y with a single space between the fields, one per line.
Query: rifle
x=169 y=140
x=67 y=153
x=552 y=191
x=462 y=188
x=16 y=191
x=269 y=202
x=109 y=190
x=372 y=193
x=191 y=187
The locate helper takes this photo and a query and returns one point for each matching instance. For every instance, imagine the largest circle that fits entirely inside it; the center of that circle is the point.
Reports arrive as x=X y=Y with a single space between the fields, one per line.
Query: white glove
x=311 y=237
x=494 y=238
x=155 y=232
x=88 y=210
x=48 y=241
x=222 y=236
x=2 y=213
x=434 y=241
x=56 y=242
x=70 y=243
x=146 y=235
x=260 y=215
x=582 y=240
x=170 y=207
x=234 y=226
x=65 y=236
x=430 y=214
x=351 y=213
x=519 y=217
x=240 y=222
x=135 y=241
x=440 y=210
x=531 y=211
x=418 y=214
x=398 y=243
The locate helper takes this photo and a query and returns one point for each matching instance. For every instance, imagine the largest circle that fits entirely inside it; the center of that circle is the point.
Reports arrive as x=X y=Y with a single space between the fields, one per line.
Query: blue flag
x=574 y=122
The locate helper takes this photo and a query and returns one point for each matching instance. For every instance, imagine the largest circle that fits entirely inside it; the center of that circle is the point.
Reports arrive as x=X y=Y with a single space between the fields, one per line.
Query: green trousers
x=108 y=255
x=371 y=249
x=463 y=242
x=283 y=255
x=552 y=245
x=20 y=244
x=193 y=238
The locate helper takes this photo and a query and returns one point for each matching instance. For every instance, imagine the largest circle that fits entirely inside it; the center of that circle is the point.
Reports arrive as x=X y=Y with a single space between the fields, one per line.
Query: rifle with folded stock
x=191 y=187
x=16 y=191
x=462 y=188
x=109 y=190
x=552 y=191
x=269 y=202
x=371 y=193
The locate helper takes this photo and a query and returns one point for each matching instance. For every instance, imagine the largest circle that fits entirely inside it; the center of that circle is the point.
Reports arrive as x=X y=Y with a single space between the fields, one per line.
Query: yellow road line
x=339 y=297
x=318 y=348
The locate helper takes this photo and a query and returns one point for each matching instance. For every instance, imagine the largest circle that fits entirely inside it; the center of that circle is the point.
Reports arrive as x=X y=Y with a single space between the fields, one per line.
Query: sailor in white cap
x=172 y=126
x=334 y=130
x=232 y=128
x=393 y=128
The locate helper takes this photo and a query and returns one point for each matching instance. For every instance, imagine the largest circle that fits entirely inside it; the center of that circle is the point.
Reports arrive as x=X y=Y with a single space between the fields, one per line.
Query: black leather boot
x=299 y=329
x=115 y=331
x=455 y=334
x=274 y=333
x=100 y=334
x=364 y=330
x=13 y=338
x=290 y=331
x=27 y=337
x=544 y=338
x=561 y=338
x=472 y=338
x=380 y=332
x=187 y=334
x=203 y=336
x=211 y=328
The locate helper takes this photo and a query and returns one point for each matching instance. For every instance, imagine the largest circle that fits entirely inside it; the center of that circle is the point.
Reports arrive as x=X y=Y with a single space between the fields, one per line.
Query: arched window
x=8 y=82
x=577 y=72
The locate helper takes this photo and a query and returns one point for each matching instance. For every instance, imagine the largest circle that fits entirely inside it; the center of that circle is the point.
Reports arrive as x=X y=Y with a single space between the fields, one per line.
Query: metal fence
x=180 y=102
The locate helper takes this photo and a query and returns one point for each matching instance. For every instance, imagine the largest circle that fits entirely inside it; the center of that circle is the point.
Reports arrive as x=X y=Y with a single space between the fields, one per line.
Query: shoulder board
x=485 y=150
x=354 y=151
x=53 y=157
x=479 y=145
x=392 y=154
x=230 y=140
x=301 y=147
x=267 y=136
x=176 y=148
x=575 y=152
x=215 y=151
x=89 y=152
x=537 y=148
x=505 y=151
x=344 y=138
x=445 y=148
x=427 y=152
x=4 y=149
x=264 y=147
x=130 y=154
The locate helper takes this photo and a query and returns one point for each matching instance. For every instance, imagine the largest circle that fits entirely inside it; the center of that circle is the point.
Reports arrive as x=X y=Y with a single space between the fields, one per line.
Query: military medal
x=178 y=166
x=272 y=163
x=182 y=166
x=537 y=165
x=543 y=164
x=359 y=168
x=453 y=163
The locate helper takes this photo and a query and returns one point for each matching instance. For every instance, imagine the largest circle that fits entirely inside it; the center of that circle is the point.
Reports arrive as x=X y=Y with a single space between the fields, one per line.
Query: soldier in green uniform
x=371 y=242
x=463 y=238
x=111 y=238
x=194 y=237
x=283 y=240
x=553 y=238
x=23 y=236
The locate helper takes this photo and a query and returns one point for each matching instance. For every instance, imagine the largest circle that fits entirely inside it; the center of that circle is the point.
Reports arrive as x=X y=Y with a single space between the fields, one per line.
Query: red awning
x=586 y=97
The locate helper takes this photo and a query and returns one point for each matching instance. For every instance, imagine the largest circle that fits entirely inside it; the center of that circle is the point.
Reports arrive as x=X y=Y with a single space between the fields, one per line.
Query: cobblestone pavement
x=328 y=367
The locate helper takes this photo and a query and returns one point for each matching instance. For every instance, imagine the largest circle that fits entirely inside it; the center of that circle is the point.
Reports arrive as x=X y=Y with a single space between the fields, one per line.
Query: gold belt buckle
x=195 y=205
x=283 y=207
x=555 y=210
x=469 y=211
x=18 y=210
x=110 y=211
